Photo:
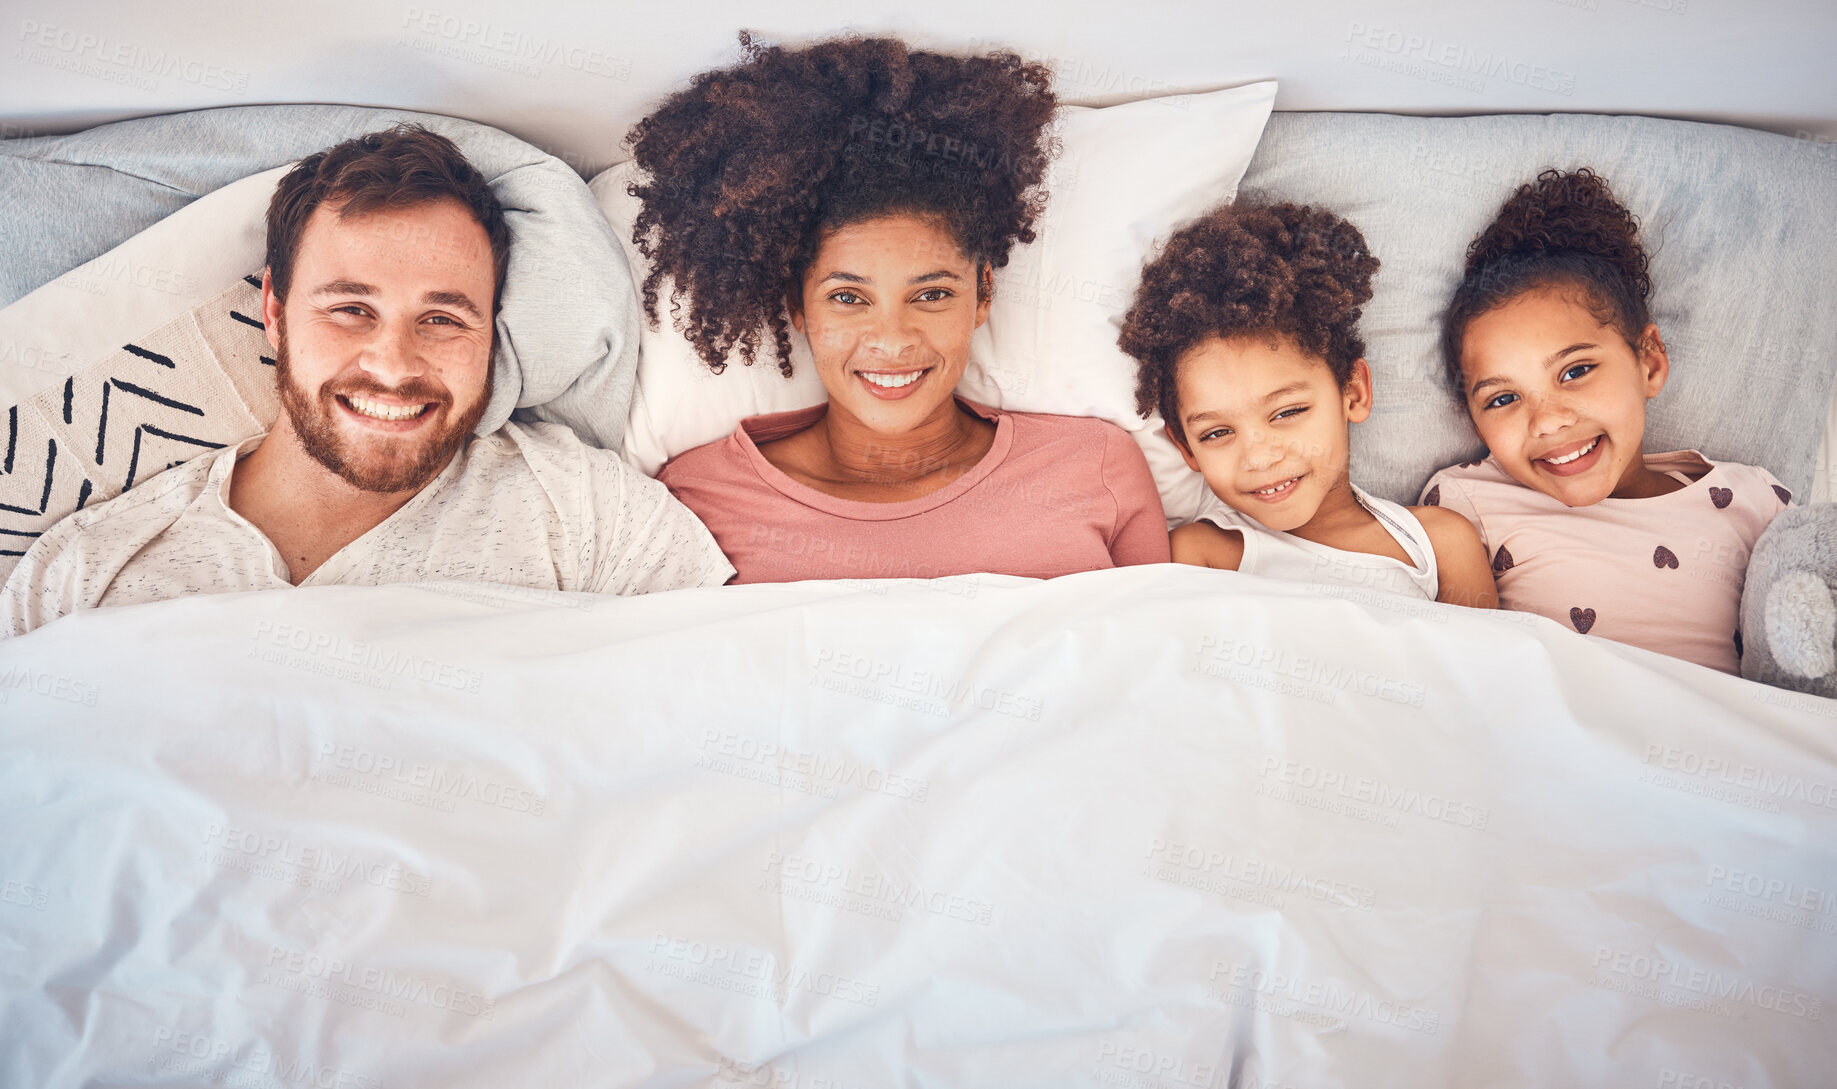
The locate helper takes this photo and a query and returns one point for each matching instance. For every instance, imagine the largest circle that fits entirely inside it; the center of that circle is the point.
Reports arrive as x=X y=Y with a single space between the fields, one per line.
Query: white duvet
x=1152 y=828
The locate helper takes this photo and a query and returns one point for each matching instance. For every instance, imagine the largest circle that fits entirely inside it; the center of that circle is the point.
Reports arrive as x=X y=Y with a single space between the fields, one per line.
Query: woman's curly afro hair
x=750 y=166
x=1562 y=230
x=1247 y=270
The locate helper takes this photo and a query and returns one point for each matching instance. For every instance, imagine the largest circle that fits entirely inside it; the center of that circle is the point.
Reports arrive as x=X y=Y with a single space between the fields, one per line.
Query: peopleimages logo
x=193 y=1055
x=1163 y=1068
x=1458 y=59
x=441 y=782
x=1711 y=986
x=231 y=847
x=1326 y=998
x=48 y=685
x=1219 y=652
x=752 y=972
x=380 y=982
x=23 y=895
x=1778 y=890
x=513 y=44
x=1384 y=796
x=823 y=774
x=1713 y=769
x=849 y=888
x=378 y=663
x=136 y=63
x=944 y=690
x=1259 y=873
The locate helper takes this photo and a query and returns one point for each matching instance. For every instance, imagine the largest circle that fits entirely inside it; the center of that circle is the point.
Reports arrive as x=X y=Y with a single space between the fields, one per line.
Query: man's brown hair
x=398 y=167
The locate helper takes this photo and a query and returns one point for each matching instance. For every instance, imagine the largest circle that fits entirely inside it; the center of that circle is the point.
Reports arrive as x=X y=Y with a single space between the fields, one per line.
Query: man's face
x=383 y=347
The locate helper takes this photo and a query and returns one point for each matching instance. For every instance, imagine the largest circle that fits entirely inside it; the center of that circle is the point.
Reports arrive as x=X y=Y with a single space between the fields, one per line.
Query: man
x=385 y=258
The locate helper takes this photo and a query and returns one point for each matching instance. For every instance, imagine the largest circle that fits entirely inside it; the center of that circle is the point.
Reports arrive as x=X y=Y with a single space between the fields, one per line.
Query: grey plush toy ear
x=1801 y=622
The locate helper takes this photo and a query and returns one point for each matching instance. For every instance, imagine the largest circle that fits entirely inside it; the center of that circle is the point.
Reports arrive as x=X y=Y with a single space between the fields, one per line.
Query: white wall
x=570 y=76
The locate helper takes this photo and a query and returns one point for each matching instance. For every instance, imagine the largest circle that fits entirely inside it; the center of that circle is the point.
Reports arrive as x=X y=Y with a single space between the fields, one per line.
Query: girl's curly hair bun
x=1565 y=228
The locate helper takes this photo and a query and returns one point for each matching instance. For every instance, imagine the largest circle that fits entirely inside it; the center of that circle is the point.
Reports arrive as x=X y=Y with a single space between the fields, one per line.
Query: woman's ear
x=985 y=293
x=794 y=306
x=1654 y=361
x=1357 y=392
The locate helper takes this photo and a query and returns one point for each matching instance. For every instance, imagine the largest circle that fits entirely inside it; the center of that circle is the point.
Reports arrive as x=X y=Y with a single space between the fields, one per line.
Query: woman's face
x=888 y=305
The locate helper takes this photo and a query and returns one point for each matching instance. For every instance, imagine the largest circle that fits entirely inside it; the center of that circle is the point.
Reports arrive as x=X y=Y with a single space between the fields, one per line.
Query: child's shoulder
x=1726 y=481
x=1470 y=487
x=1437 y=519
x=1480 y=470
x=1755 y=475
x=1206 y=544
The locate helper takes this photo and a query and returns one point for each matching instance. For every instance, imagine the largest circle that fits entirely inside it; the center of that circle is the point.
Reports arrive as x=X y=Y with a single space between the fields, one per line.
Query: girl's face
x=1558 y=397
x=889 y=305
x=1265 y=423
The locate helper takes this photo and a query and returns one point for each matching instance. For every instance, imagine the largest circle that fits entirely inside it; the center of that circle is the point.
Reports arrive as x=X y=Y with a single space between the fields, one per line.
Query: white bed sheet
x=1156 y=827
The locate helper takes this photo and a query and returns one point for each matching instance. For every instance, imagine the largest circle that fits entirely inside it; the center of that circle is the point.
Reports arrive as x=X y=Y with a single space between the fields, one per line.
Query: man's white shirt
x=528 y=505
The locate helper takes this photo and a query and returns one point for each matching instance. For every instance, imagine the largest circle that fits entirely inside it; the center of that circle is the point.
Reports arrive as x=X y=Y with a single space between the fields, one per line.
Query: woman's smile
x=893 y=385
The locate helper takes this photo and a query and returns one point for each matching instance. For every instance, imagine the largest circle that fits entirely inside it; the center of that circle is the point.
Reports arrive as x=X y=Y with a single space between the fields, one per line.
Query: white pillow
x=153 y=277
x=678 y=403
x=1125 y=177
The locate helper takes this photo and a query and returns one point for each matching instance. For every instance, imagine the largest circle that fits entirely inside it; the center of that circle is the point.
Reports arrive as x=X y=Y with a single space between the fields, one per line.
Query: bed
x=1155 y=827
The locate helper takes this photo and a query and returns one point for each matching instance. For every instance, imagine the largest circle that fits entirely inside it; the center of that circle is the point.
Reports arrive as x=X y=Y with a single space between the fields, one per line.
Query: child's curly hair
x=750 y=166
x=1243 y=271
x=1564 y=229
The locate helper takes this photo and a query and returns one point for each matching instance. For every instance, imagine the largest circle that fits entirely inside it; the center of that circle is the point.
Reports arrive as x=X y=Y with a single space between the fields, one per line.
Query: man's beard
x=383 y=464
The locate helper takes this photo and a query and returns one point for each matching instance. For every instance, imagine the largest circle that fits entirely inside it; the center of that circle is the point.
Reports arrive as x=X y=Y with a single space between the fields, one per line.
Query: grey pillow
x=1741 y=227
x=567 y=334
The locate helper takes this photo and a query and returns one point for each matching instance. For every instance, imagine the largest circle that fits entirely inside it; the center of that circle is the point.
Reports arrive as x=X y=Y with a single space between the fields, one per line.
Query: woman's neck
x=857 y=453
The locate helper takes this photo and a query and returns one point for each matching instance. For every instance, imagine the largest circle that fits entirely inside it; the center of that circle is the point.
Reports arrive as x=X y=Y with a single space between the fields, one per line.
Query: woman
x=862 y=194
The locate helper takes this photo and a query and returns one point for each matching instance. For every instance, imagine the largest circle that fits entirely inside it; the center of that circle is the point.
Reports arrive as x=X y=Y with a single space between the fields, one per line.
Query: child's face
x=1558 y=397
x=1265 y=423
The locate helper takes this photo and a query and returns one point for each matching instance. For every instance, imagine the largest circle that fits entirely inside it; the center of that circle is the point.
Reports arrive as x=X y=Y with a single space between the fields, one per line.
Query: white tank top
x=1275 y=554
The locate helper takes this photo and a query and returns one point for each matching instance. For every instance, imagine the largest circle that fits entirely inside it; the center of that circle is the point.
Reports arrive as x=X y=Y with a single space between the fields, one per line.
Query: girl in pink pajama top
x=1549 y=342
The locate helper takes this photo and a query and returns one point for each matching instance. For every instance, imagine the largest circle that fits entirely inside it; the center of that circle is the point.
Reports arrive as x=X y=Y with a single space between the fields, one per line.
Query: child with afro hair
x=1245 y=329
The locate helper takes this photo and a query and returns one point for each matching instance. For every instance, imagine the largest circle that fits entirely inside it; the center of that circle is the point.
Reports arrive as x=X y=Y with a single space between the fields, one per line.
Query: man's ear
x=1654 y=361
x=271 y=310
x=1357 y=392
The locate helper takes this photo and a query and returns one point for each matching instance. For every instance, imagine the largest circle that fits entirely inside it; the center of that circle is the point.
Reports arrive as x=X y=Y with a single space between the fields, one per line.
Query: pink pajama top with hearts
x=1663 y=573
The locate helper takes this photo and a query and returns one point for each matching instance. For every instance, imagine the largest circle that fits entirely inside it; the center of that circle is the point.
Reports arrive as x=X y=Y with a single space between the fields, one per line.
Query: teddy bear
x=1788 y=635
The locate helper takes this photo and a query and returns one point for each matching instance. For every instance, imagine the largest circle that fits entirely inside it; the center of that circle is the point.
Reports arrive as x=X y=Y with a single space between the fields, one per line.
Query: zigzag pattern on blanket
x=198 y=383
